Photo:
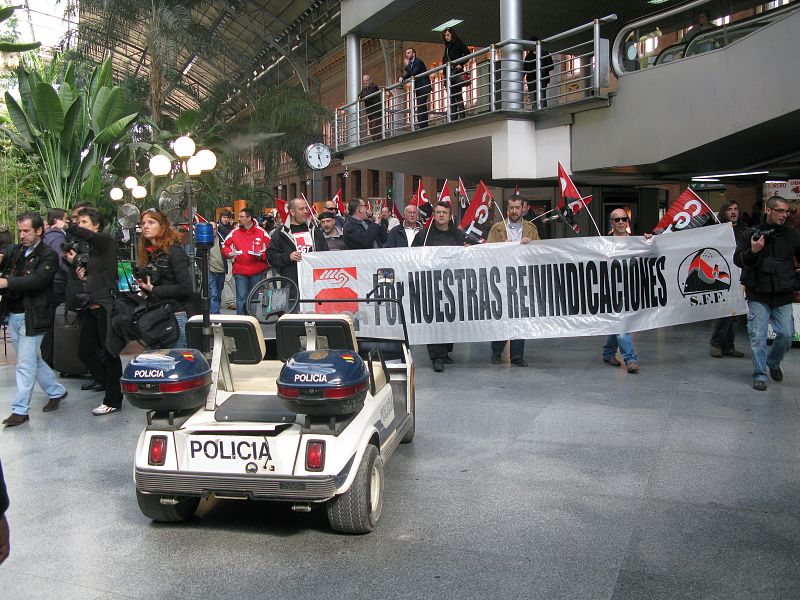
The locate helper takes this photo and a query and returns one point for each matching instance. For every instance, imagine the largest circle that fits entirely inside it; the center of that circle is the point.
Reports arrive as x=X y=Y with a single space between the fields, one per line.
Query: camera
x=142 y=273
x=759 y=231
x=81 y=258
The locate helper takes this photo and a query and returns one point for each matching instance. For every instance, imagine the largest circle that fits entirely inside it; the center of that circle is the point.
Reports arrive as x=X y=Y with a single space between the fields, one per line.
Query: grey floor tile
x=725 y=405
x=17 y=580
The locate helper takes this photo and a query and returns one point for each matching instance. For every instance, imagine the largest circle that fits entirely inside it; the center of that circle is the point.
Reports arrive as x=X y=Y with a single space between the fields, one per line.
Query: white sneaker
x=104 y=410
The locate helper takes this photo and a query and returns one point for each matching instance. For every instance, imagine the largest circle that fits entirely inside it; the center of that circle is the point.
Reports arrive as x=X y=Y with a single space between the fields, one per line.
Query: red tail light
x=184 y=386
x=345 y=391
x=158 y=450
x=315 y=455
x=130 y=388
x=288 y=392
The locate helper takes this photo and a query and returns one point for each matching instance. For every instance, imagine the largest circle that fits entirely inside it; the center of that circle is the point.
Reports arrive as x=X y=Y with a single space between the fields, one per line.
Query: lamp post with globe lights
x=126 y=211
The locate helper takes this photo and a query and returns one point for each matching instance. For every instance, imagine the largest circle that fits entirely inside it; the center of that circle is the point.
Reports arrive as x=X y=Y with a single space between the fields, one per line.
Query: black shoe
x=759 y=385
x=519 y=362
x=612 y=361
x=438 y=365
x=14 y=419
x=449 y=361
x=88 y=385
x=732 y=352
x=776 y=374
x=97 y=387
x=52 y=403
x=495 y=359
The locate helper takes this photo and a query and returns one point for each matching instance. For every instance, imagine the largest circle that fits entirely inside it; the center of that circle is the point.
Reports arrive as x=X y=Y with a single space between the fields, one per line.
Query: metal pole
x=538 y=75
x=596 y=61
x=449 y=96
x=412 y=104
x=511 y=73
x=492 y=82
x=353 y=52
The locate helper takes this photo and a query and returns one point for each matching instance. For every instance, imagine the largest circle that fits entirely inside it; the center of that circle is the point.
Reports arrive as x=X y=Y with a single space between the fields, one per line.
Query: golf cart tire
x=408 y=437
x=151 y=507
x=359 y=509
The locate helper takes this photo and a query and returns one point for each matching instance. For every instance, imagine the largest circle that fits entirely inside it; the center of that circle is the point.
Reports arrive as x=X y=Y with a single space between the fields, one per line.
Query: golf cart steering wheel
x=271 y=298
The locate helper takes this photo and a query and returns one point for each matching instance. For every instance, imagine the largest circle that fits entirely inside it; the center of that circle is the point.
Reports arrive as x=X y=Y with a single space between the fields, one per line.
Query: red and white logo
x=336 y=284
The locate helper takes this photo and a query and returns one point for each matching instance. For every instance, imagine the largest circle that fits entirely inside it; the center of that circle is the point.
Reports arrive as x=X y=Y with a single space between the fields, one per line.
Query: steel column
x=511 y=71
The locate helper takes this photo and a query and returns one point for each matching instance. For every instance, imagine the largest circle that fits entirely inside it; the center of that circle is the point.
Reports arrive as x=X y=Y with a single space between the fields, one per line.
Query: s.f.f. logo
x=336 y=283
x=704 y=271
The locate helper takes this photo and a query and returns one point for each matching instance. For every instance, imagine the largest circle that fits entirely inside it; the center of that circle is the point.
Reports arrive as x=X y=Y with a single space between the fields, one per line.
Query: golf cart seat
x=296 y=333
x=246 y=350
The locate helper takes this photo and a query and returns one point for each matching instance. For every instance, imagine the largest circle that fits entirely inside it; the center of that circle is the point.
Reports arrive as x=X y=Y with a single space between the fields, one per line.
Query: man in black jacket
x=359 y=232
x=54 y=237
x=100 y=277
x=28 y=301
x=770 y=280
x=289 y=242
x=422 y=85
x=441 y=232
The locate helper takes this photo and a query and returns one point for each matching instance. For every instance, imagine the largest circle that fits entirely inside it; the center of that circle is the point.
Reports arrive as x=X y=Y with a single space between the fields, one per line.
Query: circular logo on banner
x=704 y=271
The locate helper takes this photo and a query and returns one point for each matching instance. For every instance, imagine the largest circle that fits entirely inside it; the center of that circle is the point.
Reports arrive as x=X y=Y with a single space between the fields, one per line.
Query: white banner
x=555 y=288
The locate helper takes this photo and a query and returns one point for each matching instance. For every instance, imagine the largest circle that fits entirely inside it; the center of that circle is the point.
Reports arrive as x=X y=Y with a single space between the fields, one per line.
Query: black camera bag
x=157 y=326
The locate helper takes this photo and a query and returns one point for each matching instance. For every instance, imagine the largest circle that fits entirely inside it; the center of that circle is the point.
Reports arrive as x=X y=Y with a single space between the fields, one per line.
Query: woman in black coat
x=455 y=49
x=163 y=272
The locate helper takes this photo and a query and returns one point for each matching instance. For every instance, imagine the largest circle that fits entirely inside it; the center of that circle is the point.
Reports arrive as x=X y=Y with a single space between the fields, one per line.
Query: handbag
x=122 y=311
x=156 y=326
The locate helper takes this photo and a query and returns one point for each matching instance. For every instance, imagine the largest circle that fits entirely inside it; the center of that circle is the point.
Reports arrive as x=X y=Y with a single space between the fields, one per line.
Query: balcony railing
x=511 y=76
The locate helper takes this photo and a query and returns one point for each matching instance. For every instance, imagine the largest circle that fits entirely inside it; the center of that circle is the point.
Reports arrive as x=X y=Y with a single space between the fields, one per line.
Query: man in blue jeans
x=28 y=302
x=769 y=278
x=621 y=341
x=247 y=246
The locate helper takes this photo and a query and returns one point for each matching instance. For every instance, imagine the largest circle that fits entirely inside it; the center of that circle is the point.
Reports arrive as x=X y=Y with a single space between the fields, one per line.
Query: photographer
x=55 y=237
x=98 y=270
x=765 y=257
x=28 y=303
x=163 y=268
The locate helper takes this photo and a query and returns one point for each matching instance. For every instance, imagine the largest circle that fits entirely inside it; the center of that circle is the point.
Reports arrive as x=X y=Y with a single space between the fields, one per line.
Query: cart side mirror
x=385 y=277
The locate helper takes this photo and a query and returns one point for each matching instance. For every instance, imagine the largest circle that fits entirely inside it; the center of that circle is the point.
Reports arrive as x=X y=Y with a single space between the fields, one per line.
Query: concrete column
x=399 y=190
x=353 y=53
x=512 y=79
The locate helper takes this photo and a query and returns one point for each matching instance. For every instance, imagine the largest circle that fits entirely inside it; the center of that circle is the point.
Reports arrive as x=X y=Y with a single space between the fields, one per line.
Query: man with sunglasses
x=770 y=279
x=621 y=341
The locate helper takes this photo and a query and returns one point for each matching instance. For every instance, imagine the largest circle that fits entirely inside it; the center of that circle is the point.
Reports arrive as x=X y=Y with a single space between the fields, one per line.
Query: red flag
x=282 y=208
x=396 y=212
x=423 y=204
x=571 y=201
x=339 y=202
x=444 y=195
x=478 y=212
x=687 y=212
x=463 y=199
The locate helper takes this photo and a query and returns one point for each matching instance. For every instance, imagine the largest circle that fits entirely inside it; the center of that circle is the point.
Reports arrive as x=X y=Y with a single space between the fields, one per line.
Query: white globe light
x=194 y=166
x=139 y=192
x=130 y=182
x=160 y=165
x=208 y=160
x=184 y=146
x=115 y=193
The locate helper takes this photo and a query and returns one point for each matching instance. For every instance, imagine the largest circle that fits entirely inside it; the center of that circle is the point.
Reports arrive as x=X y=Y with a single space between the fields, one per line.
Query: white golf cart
x=311 y=420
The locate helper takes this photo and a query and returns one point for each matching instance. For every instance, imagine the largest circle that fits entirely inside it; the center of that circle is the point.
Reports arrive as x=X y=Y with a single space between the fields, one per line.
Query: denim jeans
x=624 y=342
x=244 y=283
x=216 y=282
x=758 y=317
x=517 y=348
x=724 y=332
x=181 y=318
x=30 y=366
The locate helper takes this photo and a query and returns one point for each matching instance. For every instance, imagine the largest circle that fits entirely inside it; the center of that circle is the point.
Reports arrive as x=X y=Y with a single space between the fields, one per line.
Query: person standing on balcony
x=455 y=49
x=546 y=66
x=422 y=85
x=371 y=97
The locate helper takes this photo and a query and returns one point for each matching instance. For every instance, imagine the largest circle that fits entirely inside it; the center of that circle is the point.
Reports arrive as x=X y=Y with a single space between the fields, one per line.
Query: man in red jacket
x=247 y=246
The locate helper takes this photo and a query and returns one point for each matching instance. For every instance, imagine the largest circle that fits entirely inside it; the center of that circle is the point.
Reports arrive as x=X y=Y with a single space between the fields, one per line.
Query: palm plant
x=9 y=45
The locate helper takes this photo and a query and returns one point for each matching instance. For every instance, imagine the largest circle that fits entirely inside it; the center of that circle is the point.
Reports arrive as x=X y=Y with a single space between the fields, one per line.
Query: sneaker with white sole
x=104 y=409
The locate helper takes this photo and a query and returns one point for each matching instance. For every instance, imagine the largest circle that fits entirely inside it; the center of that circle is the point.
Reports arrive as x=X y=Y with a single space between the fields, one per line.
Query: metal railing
x=513 y=75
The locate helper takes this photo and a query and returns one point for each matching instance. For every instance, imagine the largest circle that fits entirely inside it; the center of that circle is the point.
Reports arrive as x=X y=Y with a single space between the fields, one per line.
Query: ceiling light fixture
x=446 y=24
x=707 y=177
x=657 y=1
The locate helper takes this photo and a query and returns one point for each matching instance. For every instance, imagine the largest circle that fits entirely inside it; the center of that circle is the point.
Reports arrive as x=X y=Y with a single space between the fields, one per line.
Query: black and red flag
x=571 y=201
x=687 y=212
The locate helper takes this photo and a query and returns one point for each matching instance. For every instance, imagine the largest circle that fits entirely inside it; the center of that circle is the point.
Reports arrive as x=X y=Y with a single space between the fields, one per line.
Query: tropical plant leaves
x=48 y=108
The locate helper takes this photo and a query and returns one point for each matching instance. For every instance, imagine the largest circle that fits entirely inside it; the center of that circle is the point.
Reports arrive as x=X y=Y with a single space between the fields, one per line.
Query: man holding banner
x=770 y=280
x=441 y=232
x=517 y=231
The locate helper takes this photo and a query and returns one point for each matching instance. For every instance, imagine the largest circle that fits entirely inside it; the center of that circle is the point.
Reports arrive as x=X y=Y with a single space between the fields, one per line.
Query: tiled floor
x=569 y=479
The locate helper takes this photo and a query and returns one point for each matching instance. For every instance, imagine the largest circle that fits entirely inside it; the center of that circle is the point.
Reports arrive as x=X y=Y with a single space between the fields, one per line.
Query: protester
x=422 y=85
x=164 y=274
x=621 y=341
x=331 y=207
x=515 y=230
x=371 y=97
x=388 y=220
x=98 y=346
x=724 y=330
x=54 y=237
x=28 y=305
x=5 y=533
x=441 y=232
x=455 y=49
x=403 y=236
x=770 y=279
x=247 y=245
x=6 y=239
x=333 y=235
x=360 y=233
x=297 y=237
x=225 y=224
x=217 y=269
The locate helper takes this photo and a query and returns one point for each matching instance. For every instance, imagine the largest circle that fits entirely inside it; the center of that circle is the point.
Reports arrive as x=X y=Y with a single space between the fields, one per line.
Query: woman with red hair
x=163 y=268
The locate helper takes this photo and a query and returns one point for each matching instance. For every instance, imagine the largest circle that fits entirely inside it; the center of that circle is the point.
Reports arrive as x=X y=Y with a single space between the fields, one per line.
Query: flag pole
x=591 y=216
x=508 y=233
x=310 y=211
x=543 y=214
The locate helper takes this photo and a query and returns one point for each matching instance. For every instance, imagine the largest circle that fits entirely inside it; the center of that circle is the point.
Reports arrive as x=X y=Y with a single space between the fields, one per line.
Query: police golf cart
x=309 y=418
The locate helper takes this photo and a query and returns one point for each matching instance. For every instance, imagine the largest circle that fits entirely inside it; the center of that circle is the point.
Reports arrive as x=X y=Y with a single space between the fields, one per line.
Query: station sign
x=789 y=190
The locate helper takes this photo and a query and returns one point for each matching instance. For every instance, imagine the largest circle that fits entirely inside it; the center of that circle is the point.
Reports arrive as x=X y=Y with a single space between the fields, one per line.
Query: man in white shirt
x=402 y=235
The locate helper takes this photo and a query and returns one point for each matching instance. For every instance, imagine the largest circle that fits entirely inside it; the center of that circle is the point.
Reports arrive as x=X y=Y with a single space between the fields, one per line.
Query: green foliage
x=71 y=132
x=8 y=41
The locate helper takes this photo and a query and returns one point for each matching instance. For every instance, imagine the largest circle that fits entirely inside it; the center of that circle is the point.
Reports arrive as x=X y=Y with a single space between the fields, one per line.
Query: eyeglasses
x=620 y=219
x=780 y=211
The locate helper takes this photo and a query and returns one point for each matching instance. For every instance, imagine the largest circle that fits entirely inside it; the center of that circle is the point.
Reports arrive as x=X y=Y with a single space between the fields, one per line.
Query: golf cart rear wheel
x=358 y=510
x=151 y=507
